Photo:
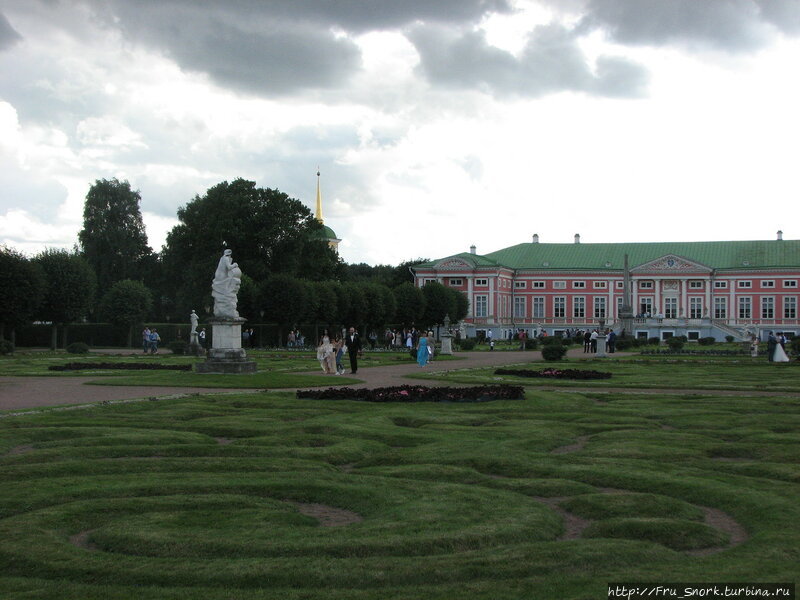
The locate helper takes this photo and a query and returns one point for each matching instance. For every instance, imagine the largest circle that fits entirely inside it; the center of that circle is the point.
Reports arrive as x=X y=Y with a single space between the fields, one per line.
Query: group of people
x=248 y=338
x=150 y=340
x=295 y=339
x=776 y=347
x=330 y=352
x=424 y=347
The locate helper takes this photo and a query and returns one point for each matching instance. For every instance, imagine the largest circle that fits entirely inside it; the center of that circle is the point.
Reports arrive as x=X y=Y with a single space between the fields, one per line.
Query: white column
x=470 y=297
x=491 y=302
x=684 y=283
x=709 y=310
x=657 y=283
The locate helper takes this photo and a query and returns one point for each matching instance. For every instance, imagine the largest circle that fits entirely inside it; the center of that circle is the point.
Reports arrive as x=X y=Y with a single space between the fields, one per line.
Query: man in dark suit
x=353 y=342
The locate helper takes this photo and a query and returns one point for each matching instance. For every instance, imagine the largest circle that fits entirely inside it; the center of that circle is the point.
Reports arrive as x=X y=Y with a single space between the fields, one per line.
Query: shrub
x=626 y=342
x=467 y=344
x=533 y=344
x=6 y=347
x=551 y=339
x=729 y=338
x=177 y=347
x=653 y=341
x=554 y=351
x=675 y=343
x=794 y=344
x=706 y=341
x=78 y=348
x=683 y=338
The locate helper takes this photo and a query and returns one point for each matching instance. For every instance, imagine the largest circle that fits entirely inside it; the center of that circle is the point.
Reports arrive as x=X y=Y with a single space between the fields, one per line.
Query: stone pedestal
x=601 y=347
x=447 y=343
x=226 y=354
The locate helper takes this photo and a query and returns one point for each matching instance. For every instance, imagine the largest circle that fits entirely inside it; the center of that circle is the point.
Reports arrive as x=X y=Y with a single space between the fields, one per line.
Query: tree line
x=291 y=275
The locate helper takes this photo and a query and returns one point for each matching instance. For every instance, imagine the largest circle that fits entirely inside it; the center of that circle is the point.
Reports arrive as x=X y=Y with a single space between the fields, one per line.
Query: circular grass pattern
x=268 y=496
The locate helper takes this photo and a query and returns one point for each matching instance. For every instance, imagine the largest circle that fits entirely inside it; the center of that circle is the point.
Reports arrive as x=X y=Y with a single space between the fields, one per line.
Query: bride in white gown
x=780 y=354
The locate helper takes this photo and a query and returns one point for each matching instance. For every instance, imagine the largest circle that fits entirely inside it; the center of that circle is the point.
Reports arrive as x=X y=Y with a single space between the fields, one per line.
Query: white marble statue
x=225 y=286
x=193 y=330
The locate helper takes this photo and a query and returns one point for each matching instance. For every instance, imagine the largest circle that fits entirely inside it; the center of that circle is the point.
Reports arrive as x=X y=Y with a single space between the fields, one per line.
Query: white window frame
x=720 y=307
x=767 y=283
x=696 y=284
x=767 y=307
x=579 y=285
x=600 y=285
x=695 y=307
x=559 y=285
x=520 y=307
x=744 y=307
x=537 y=285
x=538 y=307
x=646 y=285
x=670 y=308
x=579 y=307
x=790 y=307
x=620 y=285
x=519 y=285
x=559 y=307
x=744 y=284
x=600 y=310
x=481 y=305
x=790 y=283
x=456 y=281
x=481 y=282
x=720 y=285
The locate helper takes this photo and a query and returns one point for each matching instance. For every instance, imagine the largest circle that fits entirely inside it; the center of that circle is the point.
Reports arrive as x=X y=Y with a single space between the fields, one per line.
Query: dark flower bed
x=555 y=373
x=418 y=393
x=77 y=366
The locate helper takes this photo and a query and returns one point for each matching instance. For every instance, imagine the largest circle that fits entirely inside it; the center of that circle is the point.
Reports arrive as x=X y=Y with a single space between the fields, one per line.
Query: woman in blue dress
x=422 y=351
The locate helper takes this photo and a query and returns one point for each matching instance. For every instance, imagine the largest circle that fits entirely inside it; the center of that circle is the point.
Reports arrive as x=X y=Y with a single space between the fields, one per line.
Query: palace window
x=744 y=284
x=768 y=307
x=670 y=308
x=600 y=285
x=695 y=308
x=620 y=285
x=560 y=307
x=721 y=285
x=619 y=305
x=646 y=305
x=519 y=308
x=579 y=307
x=456 y=282
x=600 y=307
x=538 y=307
x=537 y=284
x=745 y=308
x=427 y=281
x=720 y=308
x=481 y=282
x=695 y=284
x=579 y=284
x=790 y=283
x=645 y=285
x=519 y=285
x=481 y=306
x=790 y=308
x=560 y=285
x=768 y=283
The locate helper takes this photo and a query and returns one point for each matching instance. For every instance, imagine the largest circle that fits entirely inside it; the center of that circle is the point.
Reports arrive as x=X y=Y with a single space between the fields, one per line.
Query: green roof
x=326 y=233
x=715 y=255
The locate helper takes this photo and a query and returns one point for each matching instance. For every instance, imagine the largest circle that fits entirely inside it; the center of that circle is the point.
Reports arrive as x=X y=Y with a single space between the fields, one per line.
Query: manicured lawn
x=267 y=496
x=699 y=373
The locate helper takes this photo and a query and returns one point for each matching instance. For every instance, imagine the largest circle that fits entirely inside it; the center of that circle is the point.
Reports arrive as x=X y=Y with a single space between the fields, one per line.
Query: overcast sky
x=436 y=124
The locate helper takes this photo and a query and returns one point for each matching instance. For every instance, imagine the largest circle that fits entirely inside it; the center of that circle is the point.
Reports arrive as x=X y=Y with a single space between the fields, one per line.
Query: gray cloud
x=8 y=35
x=730 y=25
x=551 y=62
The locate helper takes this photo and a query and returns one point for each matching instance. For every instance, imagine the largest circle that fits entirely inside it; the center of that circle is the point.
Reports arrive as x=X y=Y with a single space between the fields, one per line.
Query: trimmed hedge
x=556 y=373
x=78 y=348
x=418 y=393
x=119 y=366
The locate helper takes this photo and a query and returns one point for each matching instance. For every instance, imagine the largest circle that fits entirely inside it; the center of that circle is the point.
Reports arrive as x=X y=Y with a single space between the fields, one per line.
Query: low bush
x=119 y=366
x=78 y=348
x=556 y=373
x=653 y=341
x=553 y=352
x=531 y=344
x=418 y=393
x=6 y=347
x=706 y=341
x=626 y=342
x=178 y=347
x=467 y=344
x=729 y=338
x=675 y=343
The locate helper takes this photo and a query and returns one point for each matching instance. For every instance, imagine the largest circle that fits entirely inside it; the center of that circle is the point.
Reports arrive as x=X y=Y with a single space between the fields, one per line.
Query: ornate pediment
x=453 y=264
x=671 y=263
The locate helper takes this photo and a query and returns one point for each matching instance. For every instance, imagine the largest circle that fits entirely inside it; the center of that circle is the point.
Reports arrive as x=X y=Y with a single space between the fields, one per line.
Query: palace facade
x=697 y=289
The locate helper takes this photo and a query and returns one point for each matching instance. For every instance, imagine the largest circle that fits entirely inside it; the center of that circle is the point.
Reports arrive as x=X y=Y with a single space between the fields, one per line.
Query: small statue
x=225 y=286
x=193 y=329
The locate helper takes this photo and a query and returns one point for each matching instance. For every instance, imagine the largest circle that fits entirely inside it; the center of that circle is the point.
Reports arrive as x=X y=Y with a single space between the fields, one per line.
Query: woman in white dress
x=780 y=354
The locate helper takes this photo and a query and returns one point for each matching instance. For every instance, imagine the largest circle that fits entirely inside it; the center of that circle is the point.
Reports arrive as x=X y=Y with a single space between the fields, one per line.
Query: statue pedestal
x=447 y=343
x=226 y=354
x=601 y=347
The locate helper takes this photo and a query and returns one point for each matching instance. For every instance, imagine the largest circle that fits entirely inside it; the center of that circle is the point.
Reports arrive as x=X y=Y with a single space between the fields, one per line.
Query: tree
x=69 y=289
x=269 y=233
x=438 y=303
x=284 y=301
x=128 y=303
x=410 y=304
x=113 y=238
x=402 y=274
x=21 y=289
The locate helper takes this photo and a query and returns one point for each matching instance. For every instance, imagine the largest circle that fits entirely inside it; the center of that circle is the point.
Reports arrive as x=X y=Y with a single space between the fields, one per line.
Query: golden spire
x=319 y=200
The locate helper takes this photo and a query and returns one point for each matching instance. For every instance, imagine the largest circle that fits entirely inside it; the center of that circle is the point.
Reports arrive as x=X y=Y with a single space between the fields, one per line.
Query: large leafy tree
x=285 y=301
x=113 y=238
x=269 y=233
x=21 y=289
x=69 y=290
x=410 y=304
x=127 y=303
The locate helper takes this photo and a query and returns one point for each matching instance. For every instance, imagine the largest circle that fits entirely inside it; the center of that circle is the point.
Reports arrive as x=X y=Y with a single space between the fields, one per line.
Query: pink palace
x=697 y=289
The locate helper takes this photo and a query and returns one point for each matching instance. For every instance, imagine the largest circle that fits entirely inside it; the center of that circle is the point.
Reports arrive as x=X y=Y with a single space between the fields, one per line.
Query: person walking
x=154 y=340
x=202 y=337
x=422 y=351
x=772 y=341
x=145 y=339
x=353 y=342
